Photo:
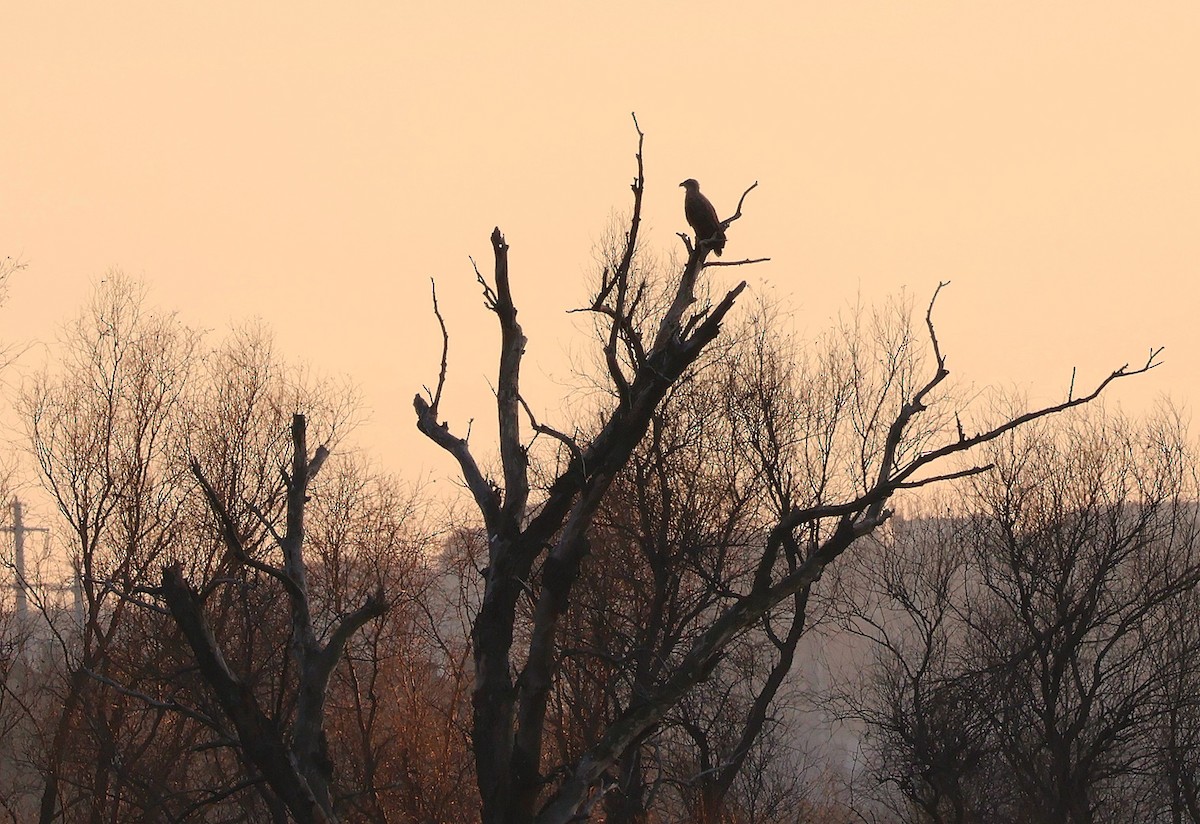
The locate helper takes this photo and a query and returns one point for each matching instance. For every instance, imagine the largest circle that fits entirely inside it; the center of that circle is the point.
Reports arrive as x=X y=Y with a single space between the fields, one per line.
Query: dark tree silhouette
x=535 y=548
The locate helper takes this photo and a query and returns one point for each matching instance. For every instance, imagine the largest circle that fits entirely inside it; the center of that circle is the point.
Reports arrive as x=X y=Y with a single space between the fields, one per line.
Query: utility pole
x=18 y=529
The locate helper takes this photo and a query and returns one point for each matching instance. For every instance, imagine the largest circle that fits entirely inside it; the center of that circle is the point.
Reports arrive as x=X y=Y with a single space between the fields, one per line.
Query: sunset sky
x=314 y=165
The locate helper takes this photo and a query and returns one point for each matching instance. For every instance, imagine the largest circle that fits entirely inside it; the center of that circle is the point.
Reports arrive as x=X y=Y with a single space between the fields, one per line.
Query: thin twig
x=949 y=476
x=266 y=522
x=489 y=294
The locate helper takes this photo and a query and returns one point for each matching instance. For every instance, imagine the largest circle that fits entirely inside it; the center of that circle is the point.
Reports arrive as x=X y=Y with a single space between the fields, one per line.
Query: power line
x=19 y=530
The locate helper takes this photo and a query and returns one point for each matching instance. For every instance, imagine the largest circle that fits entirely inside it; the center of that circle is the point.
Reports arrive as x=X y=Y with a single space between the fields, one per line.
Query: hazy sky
x=315 y=164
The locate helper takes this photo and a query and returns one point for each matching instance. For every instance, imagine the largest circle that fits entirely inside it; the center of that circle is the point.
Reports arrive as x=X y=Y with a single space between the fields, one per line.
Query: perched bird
x=702 y=217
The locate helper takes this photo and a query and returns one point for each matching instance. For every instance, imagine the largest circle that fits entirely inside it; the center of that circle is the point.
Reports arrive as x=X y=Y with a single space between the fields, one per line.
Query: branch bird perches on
x=709 y=228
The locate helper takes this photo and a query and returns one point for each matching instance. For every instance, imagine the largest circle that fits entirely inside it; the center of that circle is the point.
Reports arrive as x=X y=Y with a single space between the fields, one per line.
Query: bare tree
x=1176 y=752
x=297 y=767
x=927 y=738
x=1029 y=650
x=1088 y=533
x=227 y=594
x=536 y=549
x=132 y=730
x=102 y=432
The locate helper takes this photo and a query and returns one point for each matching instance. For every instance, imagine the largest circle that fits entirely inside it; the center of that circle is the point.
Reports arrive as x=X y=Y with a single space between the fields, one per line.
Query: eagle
x=702 y=217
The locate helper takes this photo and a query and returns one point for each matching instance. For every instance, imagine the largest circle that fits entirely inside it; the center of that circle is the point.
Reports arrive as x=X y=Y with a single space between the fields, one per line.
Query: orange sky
x=314 y=164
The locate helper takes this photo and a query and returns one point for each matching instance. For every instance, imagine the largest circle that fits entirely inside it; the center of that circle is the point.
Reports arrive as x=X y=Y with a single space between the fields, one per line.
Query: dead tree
x=296 y=763
x=535 y=550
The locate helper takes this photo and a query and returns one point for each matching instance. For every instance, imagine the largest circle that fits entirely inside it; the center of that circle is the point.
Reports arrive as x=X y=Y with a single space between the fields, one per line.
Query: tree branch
x=737 y=215
x=261 y=743
x=487 y=496
x=435 y=397
x=372 y=608
x=1021 y=420
x=513 y=459
x=231 y=537
x=566 y=440
x=711 y=264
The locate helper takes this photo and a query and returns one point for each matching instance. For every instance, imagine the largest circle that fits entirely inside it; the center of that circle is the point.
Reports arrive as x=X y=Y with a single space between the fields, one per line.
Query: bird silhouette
x=702 y=217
